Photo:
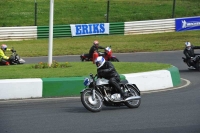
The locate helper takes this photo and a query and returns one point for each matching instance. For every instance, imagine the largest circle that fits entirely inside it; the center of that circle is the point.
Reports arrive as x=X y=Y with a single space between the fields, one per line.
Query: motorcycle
x=107 y=54
x=15 y=59
x=195 y=62
x=98 y=92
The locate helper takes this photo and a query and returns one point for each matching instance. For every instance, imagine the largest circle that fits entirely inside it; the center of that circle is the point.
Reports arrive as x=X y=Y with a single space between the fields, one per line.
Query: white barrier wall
x=18 y=33
x=33 y=88
x=20 y=88
x=154 y=80
x=150 y=26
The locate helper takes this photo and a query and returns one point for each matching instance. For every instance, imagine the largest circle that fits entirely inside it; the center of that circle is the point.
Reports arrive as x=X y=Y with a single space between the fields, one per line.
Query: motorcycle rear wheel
x=133 y=103
x=198 y=65
x=114 y=59
x=93 y=105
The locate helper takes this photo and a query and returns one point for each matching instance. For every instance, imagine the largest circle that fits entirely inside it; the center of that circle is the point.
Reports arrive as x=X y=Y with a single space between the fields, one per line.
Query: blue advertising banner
x=183 y=24
x=89 y=29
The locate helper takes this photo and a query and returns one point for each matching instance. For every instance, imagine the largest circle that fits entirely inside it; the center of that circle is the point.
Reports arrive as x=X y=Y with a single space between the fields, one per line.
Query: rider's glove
x=192 y=59
x=98 y=76
x=12 y=50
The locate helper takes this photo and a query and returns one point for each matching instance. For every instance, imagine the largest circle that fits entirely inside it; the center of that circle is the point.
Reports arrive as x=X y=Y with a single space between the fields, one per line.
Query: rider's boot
x=191 y=68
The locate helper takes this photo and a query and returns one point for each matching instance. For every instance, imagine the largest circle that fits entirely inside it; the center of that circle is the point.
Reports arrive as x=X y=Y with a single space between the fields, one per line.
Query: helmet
x=96 y=43
x=99 y=61
x=108 y=49
x=188 y=45
x=4 y=47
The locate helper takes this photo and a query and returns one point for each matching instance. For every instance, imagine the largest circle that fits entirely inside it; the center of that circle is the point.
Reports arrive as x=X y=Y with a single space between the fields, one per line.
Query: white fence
x=130 y=28
x=150 y=26
x=18 y=33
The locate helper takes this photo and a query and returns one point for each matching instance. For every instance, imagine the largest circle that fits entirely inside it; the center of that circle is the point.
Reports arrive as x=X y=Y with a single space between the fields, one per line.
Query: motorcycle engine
x=116 y=96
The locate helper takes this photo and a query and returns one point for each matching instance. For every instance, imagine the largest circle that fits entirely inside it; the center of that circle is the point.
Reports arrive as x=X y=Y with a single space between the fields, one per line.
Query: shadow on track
x=84 y=110
x=187 y=71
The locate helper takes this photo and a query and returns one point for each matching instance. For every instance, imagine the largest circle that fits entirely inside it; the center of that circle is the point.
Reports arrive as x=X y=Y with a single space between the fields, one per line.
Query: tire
x=198 y=66
x=81 y=58
x=114 y=59
x=89 y=103
x=133 y=103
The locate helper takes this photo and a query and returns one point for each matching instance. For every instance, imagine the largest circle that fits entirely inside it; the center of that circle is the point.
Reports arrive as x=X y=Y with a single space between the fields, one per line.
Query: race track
x=174 y=111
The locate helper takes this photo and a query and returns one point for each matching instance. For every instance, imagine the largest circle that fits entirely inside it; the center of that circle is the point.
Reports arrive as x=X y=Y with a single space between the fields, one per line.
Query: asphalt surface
x=174 y=111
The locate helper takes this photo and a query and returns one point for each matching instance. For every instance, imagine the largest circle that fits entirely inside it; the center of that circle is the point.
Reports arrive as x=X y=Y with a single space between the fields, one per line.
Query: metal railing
x=36 y=12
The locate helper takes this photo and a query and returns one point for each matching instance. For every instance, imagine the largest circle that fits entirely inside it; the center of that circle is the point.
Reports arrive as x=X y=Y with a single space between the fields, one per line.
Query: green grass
x=77 y=69
x=22 y=12
x=120 y=43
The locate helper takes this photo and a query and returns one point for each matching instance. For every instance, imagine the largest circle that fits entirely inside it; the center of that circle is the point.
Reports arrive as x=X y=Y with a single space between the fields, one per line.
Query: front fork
x=93 y=94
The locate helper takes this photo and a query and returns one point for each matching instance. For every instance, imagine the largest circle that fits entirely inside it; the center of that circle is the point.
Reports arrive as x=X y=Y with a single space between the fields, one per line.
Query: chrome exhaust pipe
x=133 y=98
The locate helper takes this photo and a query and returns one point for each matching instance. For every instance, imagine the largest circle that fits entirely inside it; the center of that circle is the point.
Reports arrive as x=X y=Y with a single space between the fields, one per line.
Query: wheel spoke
x=90 y=103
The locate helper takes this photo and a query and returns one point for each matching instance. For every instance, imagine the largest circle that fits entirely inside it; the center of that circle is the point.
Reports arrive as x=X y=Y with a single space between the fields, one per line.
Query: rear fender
x=135 y=86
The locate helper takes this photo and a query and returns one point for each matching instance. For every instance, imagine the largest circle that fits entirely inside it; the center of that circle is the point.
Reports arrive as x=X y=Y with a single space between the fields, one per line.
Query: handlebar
x=92 y=76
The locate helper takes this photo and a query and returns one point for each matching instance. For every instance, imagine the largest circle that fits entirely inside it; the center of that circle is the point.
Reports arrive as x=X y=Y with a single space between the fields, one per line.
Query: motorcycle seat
x=123 y=81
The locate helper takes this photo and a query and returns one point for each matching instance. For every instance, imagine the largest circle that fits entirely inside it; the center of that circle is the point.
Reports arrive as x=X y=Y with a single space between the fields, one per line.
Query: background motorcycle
x=15 y=59
x=108 y=56
x=195 y=62
x=98 y=92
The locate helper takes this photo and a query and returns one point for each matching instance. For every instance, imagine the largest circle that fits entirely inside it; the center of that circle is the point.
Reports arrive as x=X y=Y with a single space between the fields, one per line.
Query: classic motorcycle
x=107 y=55
x=98 y=92
x=195 y=62
x=15 y=59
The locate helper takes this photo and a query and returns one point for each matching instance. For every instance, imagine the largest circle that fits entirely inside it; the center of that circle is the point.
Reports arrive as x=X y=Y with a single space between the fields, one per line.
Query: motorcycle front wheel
x=133 y=103
x=198 y=65
x=82 y=58
x=93 y=105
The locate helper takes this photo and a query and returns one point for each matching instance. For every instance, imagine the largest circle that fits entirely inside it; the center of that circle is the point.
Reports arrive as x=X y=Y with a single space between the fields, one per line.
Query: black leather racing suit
x=109 y=72
x=190 y=53
x=92 y=49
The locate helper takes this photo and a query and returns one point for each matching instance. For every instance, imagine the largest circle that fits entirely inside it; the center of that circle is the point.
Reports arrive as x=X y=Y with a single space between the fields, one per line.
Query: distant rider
x=190 y=55
x=94 y=48
x=107 y=53
x=105 y=69
x=3 y=57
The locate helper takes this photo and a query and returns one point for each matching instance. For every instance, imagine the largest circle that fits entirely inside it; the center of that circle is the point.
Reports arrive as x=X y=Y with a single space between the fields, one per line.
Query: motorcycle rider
x=3 y=57
x=94 y=48
x=190 y=55
x=105 y=69
x=107 y=53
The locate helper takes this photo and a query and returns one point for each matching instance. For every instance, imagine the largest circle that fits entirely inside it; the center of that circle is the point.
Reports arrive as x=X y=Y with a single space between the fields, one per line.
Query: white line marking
x=173 y=88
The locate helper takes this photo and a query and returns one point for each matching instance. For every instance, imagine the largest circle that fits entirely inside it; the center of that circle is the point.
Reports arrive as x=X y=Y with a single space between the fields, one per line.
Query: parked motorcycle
x=15 y=59
x=107 y=54
x=98 y=92
x=195 y=62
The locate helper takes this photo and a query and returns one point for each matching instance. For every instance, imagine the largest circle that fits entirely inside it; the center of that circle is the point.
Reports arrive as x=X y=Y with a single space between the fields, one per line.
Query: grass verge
x=120 y=43
x=75 y=69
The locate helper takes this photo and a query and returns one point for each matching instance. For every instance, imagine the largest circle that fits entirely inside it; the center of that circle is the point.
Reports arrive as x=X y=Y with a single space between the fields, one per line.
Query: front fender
x=85 y=89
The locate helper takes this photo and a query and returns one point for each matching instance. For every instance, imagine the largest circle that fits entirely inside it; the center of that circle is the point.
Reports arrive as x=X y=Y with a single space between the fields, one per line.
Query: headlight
x=86 y=82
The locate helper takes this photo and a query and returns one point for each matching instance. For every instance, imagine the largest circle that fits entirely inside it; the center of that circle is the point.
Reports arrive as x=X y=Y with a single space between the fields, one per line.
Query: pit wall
x=71 y=86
